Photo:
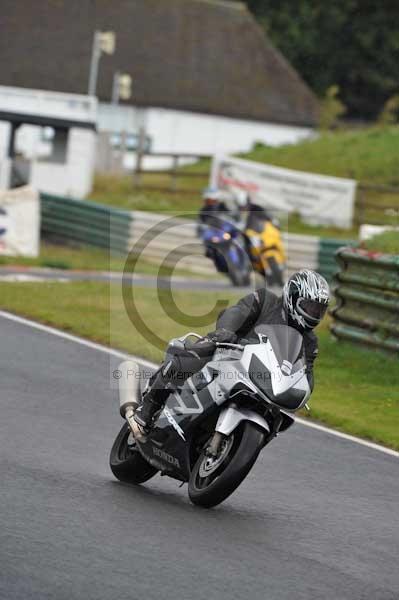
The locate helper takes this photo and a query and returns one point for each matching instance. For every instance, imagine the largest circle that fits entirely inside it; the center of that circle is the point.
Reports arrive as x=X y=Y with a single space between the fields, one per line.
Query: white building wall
x=5 y=163
x=75 y=177
x=46 y=104
x=81 y=159
x=5 y=173
x=50 y=178
x=178 y=131
x=29 y=142
x=182 y=131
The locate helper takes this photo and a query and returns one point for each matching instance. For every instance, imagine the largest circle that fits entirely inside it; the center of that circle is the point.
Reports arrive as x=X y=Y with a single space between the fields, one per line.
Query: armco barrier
x=171 y=237
x=162 y=238
x=367 y=292
x=326 y=263
x=85 y=222
x=168 y=239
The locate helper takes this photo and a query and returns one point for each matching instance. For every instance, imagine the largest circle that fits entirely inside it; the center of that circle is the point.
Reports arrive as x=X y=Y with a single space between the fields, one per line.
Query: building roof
x=196 y=55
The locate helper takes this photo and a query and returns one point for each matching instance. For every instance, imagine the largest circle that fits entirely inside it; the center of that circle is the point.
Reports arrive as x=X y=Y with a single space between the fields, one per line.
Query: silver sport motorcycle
x=215 y=424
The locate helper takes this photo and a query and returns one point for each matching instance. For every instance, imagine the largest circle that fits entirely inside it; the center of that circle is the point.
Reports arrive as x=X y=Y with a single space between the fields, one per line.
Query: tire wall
x=366 y=289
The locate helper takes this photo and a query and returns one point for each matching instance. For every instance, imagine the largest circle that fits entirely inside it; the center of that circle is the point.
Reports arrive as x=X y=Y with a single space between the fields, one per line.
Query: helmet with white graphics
x=306 y=295
x=211 y=194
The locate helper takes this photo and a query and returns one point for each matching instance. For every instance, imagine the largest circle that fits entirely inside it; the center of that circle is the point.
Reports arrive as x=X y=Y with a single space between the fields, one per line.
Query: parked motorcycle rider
x=303 y=303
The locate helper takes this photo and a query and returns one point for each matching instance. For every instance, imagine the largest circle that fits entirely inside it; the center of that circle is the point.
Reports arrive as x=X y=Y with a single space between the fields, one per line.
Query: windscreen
x=286 y=341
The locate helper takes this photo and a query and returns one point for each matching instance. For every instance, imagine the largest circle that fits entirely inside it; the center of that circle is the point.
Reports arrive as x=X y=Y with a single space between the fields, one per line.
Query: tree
x=351 y=43
x=331 y=108
x=390 y=112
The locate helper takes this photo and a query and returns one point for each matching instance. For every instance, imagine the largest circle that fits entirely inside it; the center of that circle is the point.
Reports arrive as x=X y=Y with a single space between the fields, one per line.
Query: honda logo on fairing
x=165 y=456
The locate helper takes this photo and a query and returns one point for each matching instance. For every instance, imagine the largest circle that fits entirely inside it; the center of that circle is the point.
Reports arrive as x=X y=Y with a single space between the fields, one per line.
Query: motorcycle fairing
x=285 y=384
x=175 y=429
x=219 y=249
x=277 y=366
x=289 y=399
x=185 y=410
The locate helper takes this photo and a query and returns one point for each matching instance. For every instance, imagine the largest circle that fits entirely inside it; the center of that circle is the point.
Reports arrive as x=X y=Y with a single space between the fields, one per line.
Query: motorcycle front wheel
x=240 y=276
x=125 y=459
x=212 y=480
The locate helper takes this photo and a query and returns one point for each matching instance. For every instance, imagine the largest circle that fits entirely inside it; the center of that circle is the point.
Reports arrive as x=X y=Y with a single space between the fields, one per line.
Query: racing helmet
x=211 y=195
x=306 y=295
x=241 y=198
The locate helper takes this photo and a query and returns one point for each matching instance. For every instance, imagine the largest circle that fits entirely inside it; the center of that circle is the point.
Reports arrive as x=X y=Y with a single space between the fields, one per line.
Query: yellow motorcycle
x=266 y=251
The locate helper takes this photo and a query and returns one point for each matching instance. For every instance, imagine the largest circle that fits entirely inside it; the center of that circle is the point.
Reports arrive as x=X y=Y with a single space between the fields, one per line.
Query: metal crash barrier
x=161 y=238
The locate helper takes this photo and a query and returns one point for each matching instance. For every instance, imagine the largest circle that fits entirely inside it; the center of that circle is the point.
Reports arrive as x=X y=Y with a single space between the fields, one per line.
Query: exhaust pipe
x=129 y=387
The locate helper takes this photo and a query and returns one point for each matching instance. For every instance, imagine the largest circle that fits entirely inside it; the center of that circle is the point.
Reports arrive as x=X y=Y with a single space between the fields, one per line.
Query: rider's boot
x=148 y=411
x=153 y=400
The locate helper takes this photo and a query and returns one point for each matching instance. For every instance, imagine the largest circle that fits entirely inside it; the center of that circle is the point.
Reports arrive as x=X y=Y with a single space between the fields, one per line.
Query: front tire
x=240 y=276
x=243 y=447
x=125 y=459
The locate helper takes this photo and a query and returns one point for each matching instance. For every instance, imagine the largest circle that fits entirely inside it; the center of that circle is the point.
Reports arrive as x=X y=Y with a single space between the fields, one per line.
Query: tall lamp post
x=103 y=41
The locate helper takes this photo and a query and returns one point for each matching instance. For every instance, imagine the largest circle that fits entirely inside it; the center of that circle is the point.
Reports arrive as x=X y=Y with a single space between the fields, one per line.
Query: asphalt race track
x=316 y=519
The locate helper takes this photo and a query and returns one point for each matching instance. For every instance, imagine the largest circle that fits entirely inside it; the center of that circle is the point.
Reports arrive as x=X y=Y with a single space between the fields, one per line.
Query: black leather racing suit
x=260 y=307
x=265 y=308
x=213 y=215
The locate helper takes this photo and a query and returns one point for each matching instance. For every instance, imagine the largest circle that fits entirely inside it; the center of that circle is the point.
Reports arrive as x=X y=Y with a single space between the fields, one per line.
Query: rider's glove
x=222 y=335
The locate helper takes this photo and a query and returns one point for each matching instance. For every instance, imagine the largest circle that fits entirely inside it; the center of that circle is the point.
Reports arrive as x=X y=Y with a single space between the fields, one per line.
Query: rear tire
x=125 y=459
x=248 y=440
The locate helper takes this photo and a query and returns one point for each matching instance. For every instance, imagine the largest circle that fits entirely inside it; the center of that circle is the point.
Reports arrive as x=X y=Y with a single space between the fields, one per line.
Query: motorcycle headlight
x=226 y=236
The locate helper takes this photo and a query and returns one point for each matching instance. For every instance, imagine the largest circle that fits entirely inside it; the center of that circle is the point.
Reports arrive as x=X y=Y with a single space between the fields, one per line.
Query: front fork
x=229 y=419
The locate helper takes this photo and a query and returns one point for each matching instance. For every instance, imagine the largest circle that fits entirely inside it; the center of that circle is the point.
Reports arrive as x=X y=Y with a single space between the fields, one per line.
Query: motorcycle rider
x=257 y=215
x=303 y=304
x=218 y=205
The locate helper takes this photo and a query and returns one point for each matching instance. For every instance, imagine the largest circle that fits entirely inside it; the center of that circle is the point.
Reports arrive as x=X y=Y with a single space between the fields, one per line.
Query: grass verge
x=387 y=242
x=85 y=258
x=119 y=191
x=67 y=257
x=356 y=390
x=368 y=155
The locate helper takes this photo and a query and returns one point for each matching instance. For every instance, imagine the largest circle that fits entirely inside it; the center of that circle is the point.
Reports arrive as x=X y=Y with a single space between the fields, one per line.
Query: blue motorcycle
x=225 y=246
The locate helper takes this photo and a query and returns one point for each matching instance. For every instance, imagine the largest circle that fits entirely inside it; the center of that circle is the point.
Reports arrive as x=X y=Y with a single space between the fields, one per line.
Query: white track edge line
x=146 y=363
x=73 y=338
x=347 y=436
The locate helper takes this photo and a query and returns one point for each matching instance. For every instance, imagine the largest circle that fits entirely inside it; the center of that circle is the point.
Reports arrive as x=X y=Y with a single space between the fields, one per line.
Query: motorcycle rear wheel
x=242 y=452
x=125 y=459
